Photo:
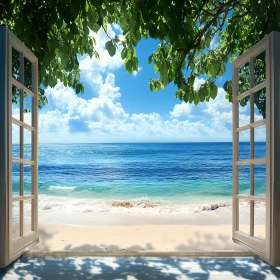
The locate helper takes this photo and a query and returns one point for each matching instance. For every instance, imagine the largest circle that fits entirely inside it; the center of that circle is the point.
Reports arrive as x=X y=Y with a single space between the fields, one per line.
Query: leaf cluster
x=197 y=38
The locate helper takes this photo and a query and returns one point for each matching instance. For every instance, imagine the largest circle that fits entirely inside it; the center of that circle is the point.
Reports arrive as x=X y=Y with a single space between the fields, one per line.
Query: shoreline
x=130 y=232
x=48 y=204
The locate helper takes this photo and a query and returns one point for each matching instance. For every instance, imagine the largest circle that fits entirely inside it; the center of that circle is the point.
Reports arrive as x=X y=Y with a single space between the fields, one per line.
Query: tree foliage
x=197 y=37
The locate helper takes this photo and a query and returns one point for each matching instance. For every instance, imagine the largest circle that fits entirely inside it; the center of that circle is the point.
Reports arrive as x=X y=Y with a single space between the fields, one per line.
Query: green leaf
x=124 y=53
x=196 y=98
x=150 y=59
x=179 y=94
x=214 y=68
x=95 y=27
x=213 y=90
x=110 y=48
x=128 y=65
x=156 y=68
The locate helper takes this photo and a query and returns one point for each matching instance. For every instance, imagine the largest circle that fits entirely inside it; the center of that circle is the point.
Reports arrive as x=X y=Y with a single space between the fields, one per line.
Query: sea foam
x=138 y=206
x=62 y=188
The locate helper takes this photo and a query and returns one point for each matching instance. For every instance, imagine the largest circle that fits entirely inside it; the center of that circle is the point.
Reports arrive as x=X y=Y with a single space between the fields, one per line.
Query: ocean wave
x=137 y=206
x=62 y=188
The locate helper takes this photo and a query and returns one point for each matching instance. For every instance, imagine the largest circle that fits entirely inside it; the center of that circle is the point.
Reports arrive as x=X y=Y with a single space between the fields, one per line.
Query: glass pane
x=259 y=219
x=244 y=111
x=259 y=68
x=16 y=179
x=15 y=141
x=244 y=144
x=16 y=102
x=259 y=105
x=260 y=179
x=27 y=144
x=27 y=221
x=15 y=220
x=27 y=179
x=15 y=64
x=260 y=142
x=244 y=179
x=244 y=216
x=27 y=109
x=244 y=78
x=28 y=74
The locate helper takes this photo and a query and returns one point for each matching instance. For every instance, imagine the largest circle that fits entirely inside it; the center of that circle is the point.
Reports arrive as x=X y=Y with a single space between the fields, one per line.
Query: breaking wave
x=139 y=206
x=62 y=188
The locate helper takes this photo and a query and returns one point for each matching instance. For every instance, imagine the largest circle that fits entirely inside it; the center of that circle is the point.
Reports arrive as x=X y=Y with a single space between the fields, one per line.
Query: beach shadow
x=198 y=242
x=44 y=237
x=138 y=268
x=203 y=241
x=107 y=248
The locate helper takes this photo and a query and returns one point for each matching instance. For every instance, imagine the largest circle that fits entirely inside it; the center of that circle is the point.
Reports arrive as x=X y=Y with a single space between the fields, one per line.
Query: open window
x=255 y=99
x=18 y=166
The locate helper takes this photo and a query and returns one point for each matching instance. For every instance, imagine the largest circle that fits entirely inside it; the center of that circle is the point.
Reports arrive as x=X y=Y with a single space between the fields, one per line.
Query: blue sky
x=118 y=107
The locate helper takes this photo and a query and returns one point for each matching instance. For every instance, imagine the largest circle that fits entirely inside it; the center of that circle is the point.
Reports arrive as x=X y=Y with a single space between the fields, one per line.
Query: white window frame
x=268 y=249
x=11 y=248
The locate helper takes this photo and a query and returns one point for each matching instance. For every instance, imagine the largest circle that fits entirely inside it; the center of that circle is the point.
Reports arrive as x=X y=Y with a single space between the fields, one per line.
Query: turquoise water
x=181 y=173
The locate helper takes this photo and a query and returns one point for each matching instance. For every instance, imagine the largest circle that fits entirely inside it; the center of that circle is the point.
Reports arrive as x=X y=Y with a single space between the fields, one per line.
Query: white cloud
x=71 y=118
x=180 y=110
x=198 y=82
x=103 y=118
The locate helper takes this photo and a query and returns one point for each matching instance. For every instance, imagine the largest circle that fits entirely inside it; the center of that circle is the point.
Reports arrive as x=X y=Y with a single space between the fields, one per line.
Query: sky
x=118 y=107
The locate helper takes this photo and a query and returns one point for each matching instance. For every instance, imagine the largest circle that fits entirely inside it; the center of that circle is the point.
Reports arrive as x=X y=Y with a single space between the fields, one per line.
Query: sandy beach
x=130 y=232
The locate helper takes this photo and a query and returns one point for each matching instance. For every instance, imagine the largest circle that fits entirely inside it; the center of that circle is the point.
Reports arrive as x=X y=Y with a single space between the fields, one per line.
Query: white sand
x=114 y=232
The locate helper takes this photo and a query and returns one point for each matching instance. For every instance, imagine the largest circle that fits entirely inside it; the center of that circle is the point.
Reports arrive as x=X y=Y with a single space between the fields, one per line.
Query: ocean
x=159 y=177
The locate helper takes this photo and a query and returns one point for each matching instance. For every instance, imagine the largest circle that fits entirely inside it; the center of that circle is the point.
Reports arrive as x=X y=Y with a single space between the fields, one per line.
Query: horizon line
x=158 y=142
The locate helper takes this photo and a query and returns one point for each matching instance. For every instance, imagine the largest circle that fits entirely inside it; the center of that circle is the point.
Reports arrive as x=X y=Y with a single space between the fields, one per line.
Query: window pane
x=15 y=64
x=27 y=108
x=244 y=179
x=244 y=111
x=15 y=141
x=244 y=78
x=244 y=144
x=260 y=179
x=259 y=219
x=15 y=220
x=27 y=223
x=16 y=102
x=27 y=179
x=28 y=74
x=27 y=144
x=259 y=68
x=260 y=105
x=16 y=179
x=244 y=216
x=260 y=142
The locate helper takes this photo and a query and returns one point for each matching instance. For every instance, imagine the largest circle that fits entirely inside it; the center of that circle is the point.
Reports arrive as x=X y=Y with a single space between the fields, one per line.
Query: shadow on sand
x=198 y=242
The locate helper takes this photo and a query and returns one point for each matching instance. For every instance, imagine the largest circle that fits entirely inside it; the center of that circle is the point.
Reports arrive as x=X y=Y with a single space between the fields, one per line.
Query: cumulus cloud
x=180 y=110
x=216 y=115
x=72 y=118
x=102 y=118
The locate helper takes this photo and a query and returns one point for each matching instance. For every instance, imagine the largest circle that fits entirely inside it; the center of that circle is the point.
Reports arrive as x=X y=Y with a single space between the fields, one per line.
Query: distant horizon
x=143 y=142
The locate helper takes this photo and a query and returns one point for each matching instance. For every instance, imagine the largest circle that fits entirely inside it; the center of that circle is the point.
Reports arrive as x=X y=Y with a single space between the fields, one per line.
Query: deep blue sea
x=181 y=173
